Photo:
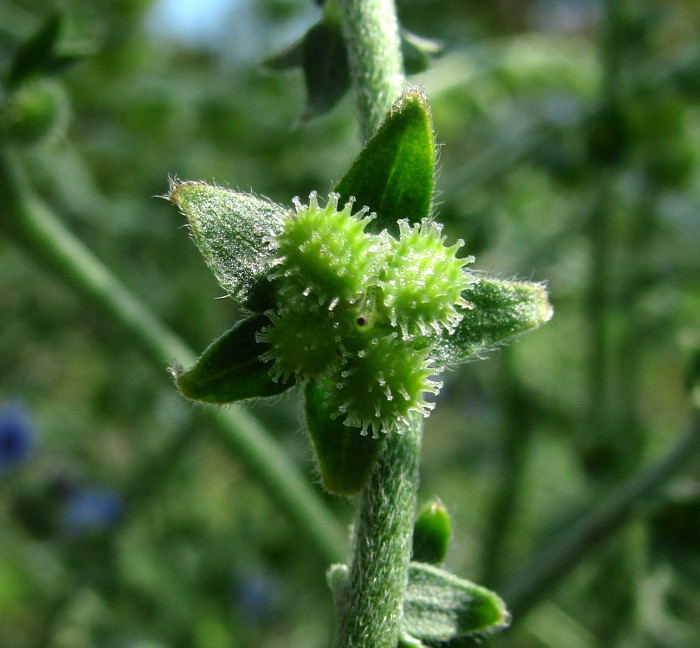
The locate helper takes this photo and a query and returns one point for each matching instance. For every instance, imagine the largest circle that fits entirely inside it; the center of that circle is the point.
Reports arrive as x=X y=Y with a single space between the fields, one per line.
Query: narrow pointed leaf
x=345 y=457
x=230 y=368
x=439 y=606
x=232 y=231
x=417 y=51
x=393 y=175
x=326 y=69
x=431 y=534
x=287 y=59
x=35 y=55
x=496 y=311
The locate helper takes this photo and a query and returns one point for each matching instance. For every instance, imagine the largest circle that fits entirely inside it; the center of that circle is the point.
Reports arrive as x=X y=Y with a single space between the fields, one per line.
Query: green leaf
x=495 y=311
x=431 y=533
x=230 y=368
x=232 y=231
x=417 y=51
x=346 y=457
x=393 y=175
x=326 y=70
x=287 y=59
x=439 y=606
x=36 y=54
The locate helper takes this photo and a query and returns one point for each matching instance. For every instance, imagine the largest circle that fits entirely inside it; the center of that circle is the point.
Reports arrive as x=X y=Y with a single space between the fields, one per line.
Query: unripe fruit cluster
x=361 y=309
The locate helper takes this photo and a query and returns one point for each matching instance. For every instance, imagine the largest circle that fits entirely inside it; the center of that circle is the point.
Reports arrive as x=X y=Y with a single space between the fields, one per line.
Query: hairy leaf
x=346 y=457
x=393 y=175
x=230 y=368
x=440 y=606
x=233 y=232
x=495 y=311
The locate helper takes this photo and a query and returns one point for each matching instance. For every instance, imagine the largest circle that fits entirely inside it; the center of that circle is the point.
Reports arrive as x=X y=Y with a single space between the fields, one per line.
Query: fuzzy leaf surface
x=346 y=457
x=496 y=310
x=232 y=231
x=439 y=606
x=230 y=368
x=393 y=175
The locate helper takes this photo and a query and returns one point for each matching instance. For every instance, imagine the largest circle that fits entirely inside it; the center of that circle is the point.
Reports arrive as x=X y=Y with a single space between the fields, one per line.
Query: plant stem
x=371 y=32
x=370 y=605
x=32 y=224
x=553 y=565
x=369 y=609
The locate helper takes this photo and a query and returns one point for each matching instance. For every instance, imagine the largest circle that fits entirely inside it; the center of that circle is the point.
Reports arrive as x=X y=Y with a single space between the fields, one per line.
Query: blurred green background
x=570 y=135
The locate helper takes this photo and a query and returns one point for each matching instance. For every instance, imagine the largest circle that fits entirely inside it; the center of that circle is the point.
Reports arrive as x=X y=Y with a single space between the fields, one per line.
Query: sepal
x=393 y=175
x=233 y=231
x=346 y=458
x=495 y=310
x=230 y=368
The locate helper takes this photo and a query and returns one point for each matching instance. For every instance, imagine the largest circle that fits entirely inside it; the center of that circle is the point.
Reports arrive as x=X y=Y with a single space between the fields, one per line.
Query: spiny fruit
x=422 y=280
x=360 y=309
x=324 y=252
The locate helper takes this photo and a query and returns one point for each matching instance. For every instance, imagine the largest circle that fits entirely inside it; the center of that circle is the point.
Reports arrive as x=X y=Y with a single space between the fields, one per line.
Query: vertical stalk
x=371 y=32
x=600 y=225
x=369 y=609
x=369 y=605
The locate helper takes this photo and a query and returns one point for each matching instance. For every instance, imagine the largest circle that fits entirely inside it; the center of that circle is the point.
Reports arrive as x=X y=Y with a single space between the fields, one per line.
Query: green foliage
x=439 y=606
x=393 y=175
x=230 y=369
x=431 y=534
x=511 y=442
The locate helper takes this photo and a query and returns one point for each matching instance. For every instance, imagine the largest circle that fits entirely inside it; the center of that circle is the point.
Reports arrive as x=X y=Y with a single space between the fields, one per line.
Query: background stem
x=32 y=224
x=371 y=32
x=553 y=565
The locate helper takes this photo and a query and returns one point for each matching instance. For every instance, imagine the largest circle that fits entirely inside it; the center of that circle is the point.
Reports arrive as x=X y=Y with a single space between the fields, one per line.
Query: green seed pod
x=324 y=252
x=423 y=280
x=431 y=534
x=304 y=339
x=381 y=382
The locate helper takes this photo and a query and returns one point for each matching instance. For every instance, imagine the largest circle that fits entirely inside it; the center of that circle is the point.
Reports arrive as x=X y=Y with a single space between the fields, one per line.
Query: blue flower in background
x=94 y=509
x=16 y=436
x=256 y=593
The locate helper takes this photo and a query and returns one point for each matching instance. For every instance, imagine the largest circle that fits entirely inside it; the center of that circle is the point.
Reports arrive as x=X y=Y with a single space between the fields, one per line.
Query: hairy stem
x=32 y=224
x=371 y=33
x=369 y=605
x=369 y=609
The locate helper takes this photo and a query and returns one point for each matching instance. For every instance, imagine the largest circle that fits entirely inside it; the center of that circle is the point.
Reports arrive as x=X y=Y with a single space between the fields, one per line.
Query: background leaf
x=326 y=71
